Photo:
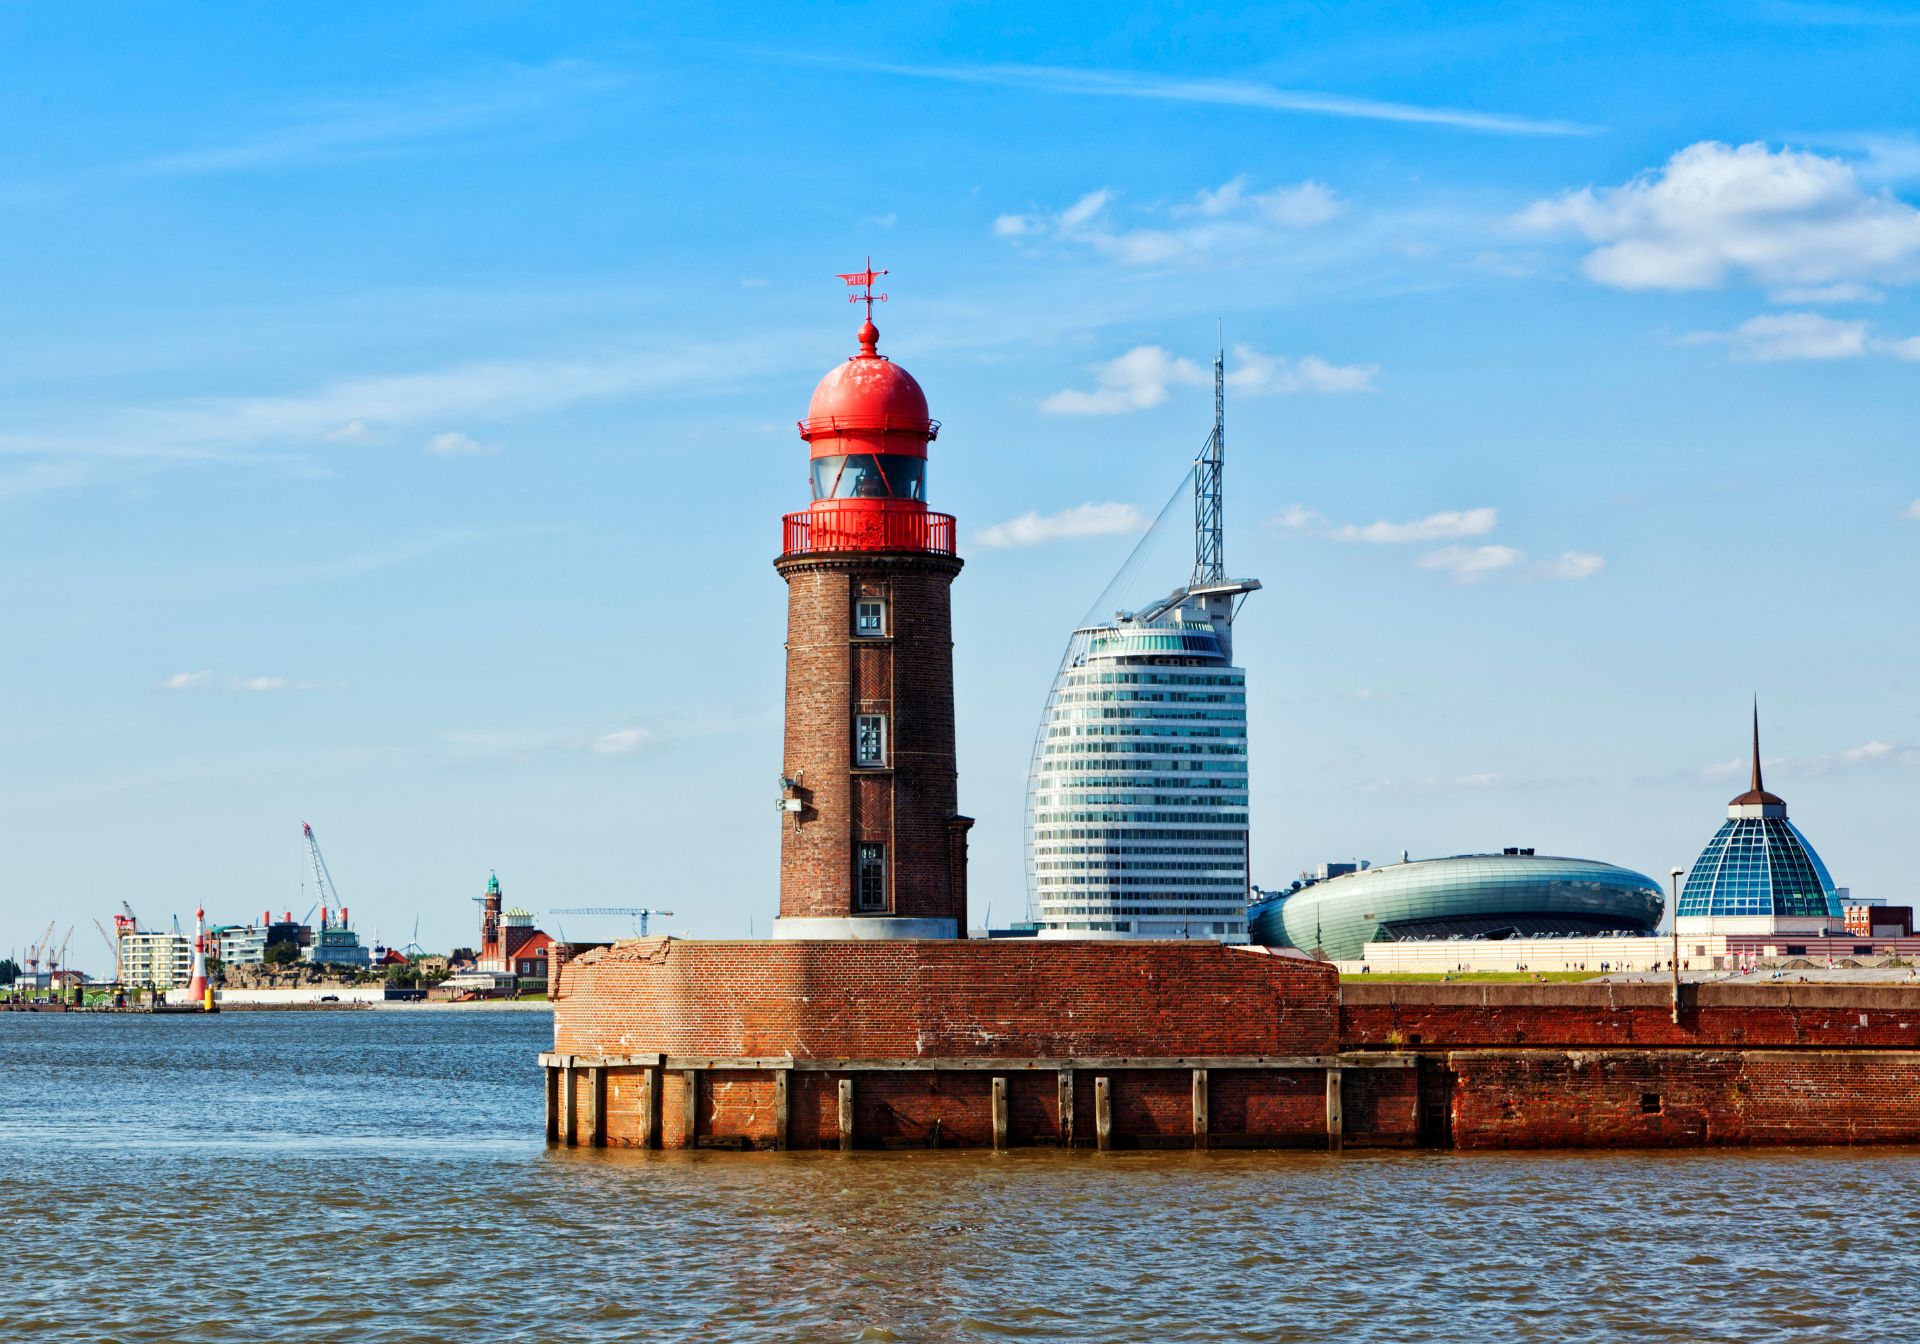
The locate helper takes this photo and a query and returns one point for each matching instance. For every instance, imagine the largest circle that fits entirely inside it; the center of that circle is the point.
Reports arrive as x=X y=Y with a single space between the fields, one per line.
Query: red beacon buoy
x=867 y=431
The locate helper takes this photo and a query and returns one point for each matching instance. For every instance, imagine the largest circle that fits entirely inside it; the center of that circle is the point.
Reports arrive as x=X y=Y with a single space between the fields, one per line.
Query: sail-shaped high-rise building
x=1137 y=793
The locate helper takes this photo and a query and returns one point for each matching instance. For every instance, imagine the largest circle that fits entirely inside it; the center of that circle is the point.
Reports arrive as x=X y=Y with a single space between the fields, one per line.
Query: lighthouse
x=199 y=990
x=872 y=841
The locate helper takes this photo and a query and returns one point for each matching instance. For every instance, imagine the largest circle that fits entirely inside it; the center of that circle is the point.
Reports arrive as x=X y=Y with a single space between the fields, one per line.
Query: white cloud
x=1715 y=213
x=354 y=431
x=1867 y=751
x=1572 y=566
x=1912 y=512
x=1222 y=92
x=1471 y=564
x=1140 y=379
x=1084 y=520
x=187 y=681
x=1845 y=292
x=1228 y=218
x=1773 y=337
x=620 y=742
x=259 y=684
x=1434 y=527
x=1298 y=518
x=455 y=444
x=1777 y=336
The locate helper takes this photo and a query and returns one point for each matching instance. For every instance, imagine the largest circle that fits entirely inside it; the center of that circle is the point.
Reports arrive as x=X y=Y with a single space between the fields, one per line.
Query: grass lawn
x=1485 y=977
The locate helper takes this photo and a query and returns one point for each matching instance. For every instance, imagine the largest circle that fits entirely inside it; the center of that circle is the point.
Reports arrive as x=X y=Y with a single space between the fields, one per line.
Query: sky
x=397 y=410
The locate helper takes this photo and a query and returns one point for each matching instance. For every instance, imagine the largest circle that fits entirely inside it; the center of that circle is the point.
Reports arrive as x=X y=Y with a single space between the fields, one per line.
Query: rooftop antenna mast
x=1209 y=488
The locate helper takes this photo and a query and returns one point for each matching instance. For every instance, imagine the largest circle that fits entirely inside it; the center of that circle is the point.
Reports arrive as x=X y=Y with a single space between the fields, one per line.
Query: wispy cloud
x=1572 y=566
x=1912 y=512
x=620 y=742
x=1141 y=378
x=453 y=443
x=1773 y=337
x=1225 y=219
x=1471 y=564
x=1443 y=526
x=1083 y=520
x=1716 y=213
x=1434 y=527
x=1224 y=93
x=410 y=119
x=248 y=685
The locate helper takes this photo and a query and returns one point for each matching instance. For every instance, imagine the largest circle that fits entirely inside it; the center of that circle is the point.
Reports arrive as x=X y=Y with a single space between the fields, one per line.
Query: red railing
x=846 y=530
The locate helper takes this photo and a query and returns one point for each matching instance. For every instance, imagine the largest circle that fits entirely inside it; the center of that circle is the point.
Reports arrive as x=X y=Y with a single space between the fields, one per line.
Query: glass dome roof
x=1758 y=863
x=1759 y=866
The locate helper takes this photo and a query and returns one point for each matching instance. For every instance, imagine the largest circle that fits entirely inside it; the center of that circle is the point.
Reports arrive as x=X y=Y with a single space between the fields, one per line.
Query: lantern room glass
x=869 y=476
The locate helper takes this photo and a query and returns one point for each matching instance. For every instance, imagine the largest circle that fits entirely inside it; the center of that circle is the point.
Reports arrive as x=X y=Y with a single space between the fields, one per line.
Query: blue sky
x=399 y=410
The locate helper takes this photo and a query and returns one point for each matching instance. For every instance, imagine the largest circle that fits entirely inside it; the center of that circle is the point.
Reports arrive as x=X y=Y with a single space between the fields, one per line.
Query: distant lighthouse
x=198 y=990
x=872 y=843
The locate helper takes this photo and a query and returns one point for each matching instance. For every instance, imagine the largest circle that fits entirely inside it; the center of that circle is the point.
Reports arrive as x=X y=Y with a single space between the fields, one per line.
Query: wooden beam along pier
x=673 y=1101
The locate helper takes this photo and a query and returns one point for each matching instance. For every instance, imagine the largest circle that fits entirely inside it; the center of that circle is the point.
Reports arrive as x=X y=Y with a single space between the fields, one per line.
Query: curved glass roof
x=1759 y=866
x=1488 y=895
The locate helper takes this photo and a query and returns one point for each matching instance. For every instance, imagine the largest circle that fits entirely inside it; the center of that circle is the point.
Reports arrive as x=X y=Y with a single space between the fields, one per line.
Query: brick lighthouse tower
x=872 y=843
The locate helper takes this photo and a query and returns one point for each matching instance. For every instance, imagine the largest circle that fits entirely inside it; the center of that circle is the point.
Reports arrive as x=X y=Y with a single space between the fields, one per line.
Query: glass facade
x=1759 y=866
x=1470 y=895
x=1137 y=796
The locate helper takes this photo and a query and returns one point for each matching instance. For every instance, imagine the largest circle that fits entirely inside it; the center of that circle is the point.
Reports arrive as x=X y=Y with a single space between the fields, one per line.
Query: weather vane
x=864 y=281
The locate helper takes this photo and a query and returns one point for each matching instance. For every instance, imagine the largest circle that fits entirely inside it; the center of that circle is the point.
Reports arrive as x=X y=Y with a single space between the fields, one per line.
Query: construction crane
x=133 y=920
x=323 y=888
x=39 y=949
x=635 y=912
x=113 y=944
x=59 y=959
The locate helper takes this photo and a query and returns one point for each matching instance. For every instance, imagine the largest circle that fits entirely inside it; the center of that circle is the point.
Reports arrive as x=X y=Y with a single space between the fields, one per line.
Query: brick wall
x=1007 y=998
x=1683 y=1098
x=832 y=676
x=1460 y=1016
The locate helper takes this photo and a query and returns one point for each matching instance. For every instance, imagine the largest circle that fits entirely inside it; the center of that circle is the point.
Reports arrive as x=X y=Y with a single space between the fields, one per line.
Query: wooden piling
x=999 y=1112
x=597 y=1107
x=650 y=1107
x=1336 y=1124
x=846 y=1115
x=1102 y=1114
x=1199 y=1108
x=569 y=1104
x=1066 y=1108
x=780 y=1107
x=690 y=1109
x=553 y=1104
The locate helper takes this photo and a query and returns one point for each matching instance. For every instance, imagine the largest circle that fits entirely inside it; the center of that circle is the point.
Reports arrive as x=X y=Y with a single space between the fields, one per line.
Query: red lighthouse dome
x=867 y=431
x=868 y=404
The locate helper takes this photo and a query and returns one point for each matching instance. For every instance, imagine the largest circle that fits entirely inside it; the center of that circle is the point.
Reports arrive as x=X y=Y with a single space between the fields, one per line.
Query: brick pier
x=664 y=1043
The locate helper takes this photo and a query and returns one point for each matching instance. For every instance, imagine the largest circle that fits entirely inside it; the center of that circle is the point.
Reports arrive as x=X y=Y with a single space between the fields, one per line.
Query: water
x=370 y=1177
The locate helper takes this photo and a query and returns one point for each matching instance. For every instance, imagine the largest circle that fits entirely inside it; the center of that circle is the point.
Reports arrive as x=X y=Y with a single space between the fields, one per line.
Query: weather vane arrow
x=863 y=280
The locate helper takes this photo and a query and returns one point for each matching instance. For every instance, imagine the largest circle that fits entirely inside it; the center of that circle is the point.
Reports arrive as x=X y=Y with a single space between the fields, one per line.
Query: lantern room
x=867 y=431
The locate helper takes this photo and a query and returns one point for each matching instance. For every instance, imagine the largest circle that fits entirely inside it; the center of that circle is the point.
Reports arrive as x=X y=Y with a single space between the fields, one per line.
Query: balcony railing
x=880 y=530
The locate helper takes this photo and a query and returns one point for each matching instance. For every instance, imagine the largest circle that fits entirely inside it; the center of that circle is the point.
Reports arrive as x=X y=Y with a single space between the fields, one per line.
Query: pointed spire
x=1756 y=793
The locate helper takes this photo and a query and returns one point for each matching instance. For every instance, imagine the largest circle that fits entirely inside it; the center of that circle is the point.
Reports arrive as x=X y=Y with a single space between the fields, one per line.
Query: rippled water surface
x=380 y=1176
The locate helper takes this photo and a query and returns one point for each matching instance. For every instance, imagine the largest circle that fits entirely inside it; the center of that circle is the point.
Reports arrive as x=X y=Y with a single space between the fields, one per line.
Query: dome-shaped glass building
x=1758 y=874
x=1490 y=896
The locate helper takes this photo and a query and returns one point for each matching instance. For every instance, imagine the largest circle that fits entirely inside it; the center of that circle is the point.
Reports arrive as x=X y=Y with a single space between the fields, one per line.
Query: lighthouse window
x=869 y=617
x=870 y=882
x=870 y=739
x=869 y=476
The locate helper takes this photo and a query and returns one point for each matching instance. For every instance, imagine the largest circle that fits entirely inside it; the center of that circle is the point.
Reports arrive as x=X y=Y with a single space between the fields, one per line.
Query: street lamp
x=1674 y=919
